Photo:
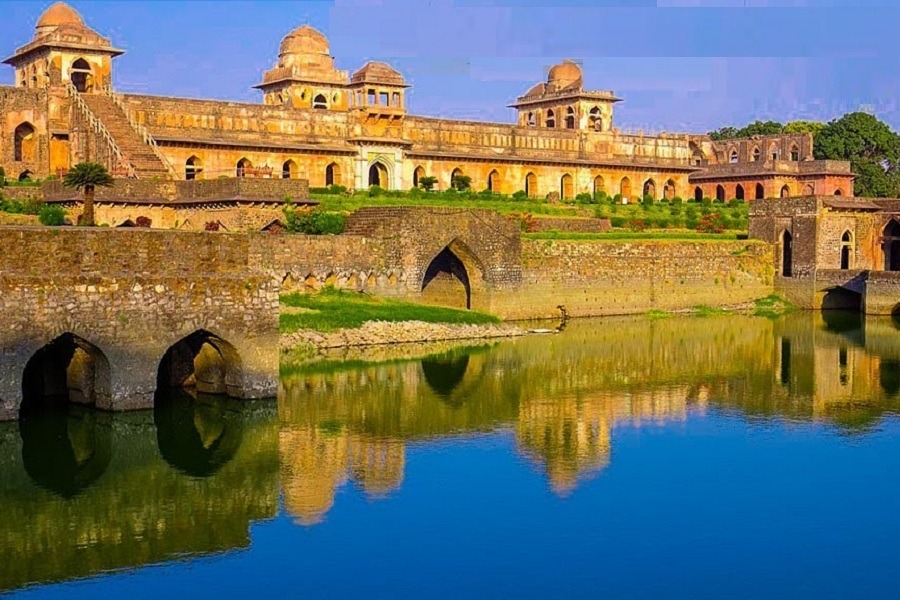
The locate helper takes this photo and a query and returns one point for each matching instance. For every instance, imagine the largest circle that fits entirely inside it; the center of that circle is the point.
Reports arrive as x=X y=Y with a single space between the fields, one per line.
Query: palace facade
x=329 y=126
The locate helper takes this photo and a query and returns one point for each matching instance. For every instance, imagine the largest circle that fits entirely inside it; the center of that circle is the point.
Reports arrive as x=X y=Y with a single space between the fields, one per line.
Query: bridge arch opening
x=67 y=370
x=444 y=373
x=203 y=363
x=891 y=246
x=841 y=299
x=447 y=280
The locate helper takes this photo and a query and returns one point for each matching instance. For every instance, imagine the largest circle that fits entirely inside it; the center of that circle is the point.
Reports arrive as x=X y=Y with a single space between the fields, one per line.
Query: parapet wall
x=628 y=277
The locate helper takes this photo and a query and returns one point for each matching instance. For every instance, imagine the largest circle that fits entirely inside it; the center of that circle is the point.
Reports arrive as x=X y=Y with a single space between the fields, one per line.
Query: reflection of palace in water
x=83 y=492
x=563 y=397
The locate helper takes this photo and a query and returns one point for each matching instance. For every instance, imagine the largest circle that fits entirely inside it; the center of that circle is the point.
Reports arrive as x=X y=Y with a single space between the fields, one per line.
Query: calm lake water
x=683 y=457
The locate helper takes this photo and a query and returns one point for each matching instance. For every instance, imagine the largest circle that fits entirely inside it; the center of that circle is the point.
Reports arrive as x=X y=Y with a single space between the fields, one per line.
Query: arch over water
x=68 y=369
x=202 y=362
x=841 y=299
x=447 y=280
x=444 y=372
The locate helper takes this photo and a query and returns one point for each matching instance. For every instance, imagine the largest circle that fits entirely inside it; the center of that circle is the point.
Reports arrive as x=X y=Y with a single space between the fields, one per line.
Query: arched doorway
x=202 y=362
x=739 y=192
x=785 y=191
x=446 y=281
x=669 y=190
x=599 y=185
x=698 y=193
x=570 y=118
x=720 y=193
x=625 y=188
x=378 y=175
x=566 y=187
x=838 y=192
x=23 y=143
x=418 y=174
x=493 y=181
x=68 y=369
x=289 y=170
x=242 y=168
x=333 y=174
x=551 y=119
x=846 y=250
x=891 y=246
x=787 y=254
x=760 y=191
x=649 y=189
x=80 y=74
x=531 y=185
x=193 y=168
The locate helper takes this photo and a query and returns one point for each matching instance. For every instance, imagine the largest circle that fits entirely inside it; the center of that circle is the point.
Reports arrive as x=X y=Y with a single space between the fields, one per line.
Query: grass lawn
x=613 y=236
x=501 y=204
x=331 y=309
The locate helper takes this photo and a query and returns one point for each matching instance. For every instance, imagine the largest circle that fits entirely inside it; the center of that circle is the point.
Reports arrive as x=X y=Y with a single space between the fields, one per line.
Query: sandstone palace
x=325 y=125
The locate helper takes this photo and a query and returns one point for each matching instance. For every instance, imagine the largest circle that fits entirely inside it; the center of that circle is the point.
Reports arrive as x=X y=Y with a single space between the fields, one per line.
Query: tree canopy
x=872 y=148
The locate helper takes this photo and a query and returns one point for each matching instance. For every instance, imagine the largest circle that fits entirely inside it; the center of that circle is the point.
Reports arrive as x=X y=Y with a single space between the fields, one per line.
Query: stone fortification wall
x=607 y=278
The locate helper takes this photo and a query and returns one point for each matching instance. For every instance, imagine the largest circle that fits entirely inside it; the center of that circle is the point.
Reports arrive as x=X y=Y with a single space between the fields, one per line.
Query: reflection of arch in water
x=196 y=435
x=202 y=361
x=889 y=377
x=69 y=368
x=65 y=448
x=443 y=374
x=843 y=321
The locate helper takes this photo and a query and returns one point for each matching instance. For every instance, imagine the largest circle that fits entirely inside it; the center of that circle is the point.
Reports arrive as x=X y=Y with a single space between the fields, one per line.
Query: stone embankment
x=376 y=333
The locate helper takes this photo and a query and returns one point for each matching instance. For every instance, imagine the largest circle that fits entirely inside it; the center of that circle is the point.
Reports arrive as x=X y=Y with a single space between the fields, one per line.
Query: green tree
x=461 y=182
x=86 y=177
x=723 y=133
x=427 y=182
x=872 y=148
x=795 y=127
x=761 y=128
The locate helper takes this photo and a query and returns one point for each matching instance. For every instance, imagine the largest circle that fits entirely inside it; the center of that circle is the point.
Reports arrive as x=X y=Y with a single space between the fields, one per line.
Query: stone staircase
x=131 y=143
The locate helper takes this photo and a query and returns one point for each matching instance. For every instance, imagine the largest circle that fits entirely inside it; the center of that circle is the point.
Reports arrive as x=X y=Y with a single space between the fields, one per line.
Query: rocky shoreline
x=378 y=333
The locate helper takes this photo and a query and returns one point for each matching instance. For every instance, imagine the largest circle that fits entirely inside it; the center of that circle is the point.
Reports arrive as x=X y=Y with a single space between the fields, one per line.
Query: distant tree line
x=870 y=145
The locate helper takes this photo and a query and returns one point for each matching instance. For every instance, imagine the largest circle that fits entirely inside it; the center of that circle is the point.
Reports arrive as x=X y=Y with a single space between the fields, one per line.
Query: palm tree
x=86 y=176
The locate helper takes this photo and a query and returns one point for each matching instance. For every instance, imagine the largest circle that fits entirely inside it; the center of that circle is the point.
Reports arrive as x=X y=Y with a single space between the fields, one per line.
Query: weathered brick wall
x=606 y=278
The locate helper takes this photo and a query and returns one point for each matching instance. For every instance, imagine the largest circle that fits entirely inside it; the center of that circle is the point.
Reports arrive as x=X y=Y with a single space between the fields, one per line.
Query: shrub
x=584 y=198
x=520 y=196
x=677 y=200
x=337 y=189
x=691 y=223
x=601 y=197
x=618 y=221
x=52 y=177
x=637 y=225
x=617 y=199
x=691 y=212
x=427 y=182
x=461 y=183
x=316 y=222
x=211 y=226
x=662 y=223
x=486 y=193
x=648 y=200
x=706 y=202
x=711 y=223
x=600 y=213
x=52 y=215
x=142 y=221
x=2 y=177
x=376 y=190
x=735 y=202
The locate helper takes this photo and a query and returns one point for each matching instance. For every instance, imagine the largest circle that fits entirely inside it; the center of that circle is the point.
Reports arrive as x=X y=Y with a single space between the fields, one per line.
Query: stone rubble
x=375 y=333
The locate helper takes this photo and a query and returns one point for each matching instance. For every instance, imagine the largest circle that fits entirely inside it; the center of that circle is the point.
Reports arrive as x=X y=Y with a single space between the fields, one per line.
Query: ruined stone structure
x=834 y=252
x=326 y=125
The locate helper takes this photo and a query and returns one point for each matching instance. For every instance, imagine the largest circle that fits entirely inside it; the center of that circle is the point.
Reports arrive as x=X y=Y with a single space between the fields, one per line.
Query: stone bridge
x=109 y=316
x=872 y=292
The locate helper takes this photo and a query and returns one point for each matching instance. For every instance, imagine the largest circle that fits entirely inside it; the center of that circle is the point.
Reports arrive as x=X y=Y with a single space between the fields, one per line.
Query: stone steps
x=136 y=151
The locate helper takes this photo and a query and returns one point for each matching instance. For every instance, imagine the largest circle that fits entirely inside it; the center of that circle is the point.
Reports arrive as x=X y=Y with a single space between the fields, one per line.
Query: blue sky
x=681 y=65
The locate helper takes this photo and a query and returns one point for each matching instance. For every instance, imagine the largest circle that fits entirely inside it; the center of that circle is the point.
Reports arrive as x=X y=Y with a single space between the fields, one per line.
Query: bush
x=706 y=202
x=584 y=198
x=142 y=221
x=618 y=221
x=520 y=196
x=211 y=226
x=712 y=223
x=617 y=199
x=463 y=183
x=376 y=190
x=648 y=200
x=735 y=202
x=637 y=225
x=601 y=197
x=691 y=212
x=691 y=223
x=428 y=182
x=2 y=177
x=663 y=223
x=316 y=222
x=52 y=215
x=677 y=200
